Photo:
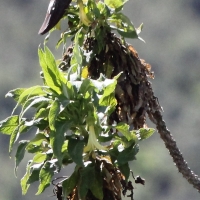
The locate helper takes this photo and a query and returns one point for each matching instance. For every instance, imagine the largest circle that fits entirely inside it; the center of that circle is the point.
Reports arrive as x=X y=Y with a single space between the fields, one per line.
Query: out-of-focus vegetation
x=171 y=31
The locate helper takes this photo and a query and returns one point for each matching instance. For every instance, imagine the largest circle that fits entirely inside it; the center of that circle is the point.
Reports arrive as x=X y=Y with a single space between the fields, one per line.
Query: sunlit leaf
x=15 y=94
x=123 y=25
x=39 y=157
x=76 y=59
x=45 y=176
x=50 y=70
x=29 y=93
x=13 y=138
x=115 y=4
x=124 y=129
x=34 y=101
x=24 y=184
x=53 y=112
x=9 y=125
x=146 y=133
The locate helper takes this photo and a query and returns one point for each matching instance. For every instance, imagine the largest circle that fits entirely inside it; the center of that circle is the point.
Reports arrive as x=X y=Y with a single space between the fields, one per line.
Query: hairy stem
x=174 y=151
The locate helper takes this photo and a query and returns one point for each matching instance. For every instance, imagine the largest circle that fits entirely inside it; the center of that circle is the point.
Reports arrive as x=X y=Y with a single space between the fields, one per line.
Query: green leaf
x=108 y=97
x=76 y=50
x=42 y=113
x=86 y=87
x=24 y=184
x=127 y=155
x=123 y=25
x=37 y=140
x=125 y=170
x=33 y=101
x=20 y=153
x=124 y=129
x=75 y=150
x=69 y=184
x=34 y=173
x=29 y=93
x=56 y=140
x=76 y=60
x=96 y=186
x=86 y=180
x=104 y=10
x=50 y=70
x=39 y=157
x=145 y=133
x=34 y=145
x=45 y=176
x=34 y=176
x=53 y=113
x=9 y=125
x=13 y=138
x=51 y=63
x=15 y=94
x=115 y=4
x=90 y=178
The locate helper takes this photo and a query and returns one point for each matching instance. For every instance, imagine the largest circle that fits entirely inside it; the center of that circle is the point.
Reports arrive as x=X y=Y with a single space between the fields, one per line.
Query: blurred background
x=172 y=32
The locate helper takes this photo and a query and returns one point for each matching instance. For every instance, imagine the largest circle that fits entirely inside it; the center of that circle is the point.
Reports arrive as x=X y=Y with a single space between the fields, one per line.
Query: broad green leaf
x=51 y=63
x=24 y=184
x=34 y=176
x=108 y=100
x=57 y=140
x=20 y=153
x=75 y=150
x=34 y=172
x=45 y=176
x=34 y=101
x=70 y=92
x=108 y=97
x=114 y=151
x=124 y=129
x=39 y=157
x=87 y=177
x=29 y=93
x=145 y=133
x=127 y=155
x=123 y=25
x=125 y=170
x=53 y=113
x=34 y=145
x=115 y=4
x=103 y=9
x=15 y=94
x=100 y=34
x=42 y=113
x=50 y=70
x=90 y=178
x=86 y=88
x=9 y=125
x=37 y=140
x=69 y=184
x=96 y=186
